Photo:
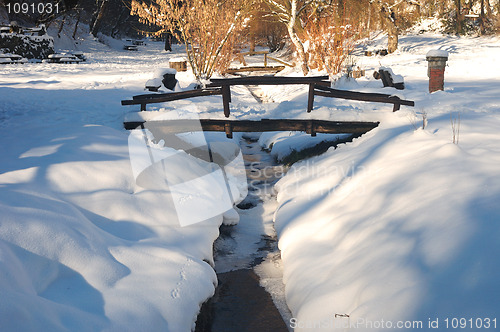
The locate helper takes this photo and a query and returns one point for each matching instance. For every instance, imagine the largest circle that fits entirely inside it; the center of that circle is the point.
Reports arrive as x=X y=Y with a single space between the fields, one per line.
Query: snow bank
x=284 y=143
x=402 y=225
x=399 y=226
x=82 y=248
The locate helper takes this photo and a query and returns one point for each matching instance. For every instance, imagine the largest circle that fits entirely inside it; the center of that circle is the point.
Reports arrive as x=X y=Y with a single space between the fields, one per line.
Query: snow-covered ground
x=402 y=224
x=400 y=228
x=82 y=246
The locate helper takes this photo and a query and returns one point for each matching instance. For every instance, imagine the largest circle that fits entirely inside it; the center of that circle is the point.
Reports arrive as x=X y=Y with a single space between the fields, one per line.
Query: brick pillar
x=436 y=63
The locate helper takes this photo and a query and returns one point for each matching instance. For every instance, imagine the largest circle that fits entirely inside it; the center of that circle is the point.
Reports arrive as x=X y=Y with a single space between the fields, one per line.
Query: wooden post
x=396 y=107
x=143 y=107
x=226 y=99
x=310 y=128
x=310 y=98
x=242 y=59
x=265 y=59
x=228 y=129
x=179 y=65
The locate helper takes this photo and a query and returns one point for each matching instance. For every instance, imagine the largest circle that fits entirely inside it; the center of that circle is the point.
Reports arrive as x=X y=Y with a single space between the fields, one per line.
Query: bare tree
x=387 y=12
x=207 y=28
x=288 y=12
x=326 y=25
x=459 y=16
x=485 y=16
x=98 y=17
x=330 y=44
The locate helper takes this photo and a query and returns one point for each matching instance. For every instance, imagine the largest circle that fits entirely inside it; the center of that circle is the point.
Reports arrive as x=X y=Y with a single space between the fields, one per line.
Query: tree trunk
x=115 y=32
x=389 y=17
x=392 y=37
x=252 y=42
x=299 y=47
x=168 y=42
x=489 y=12
x=61 y=26
x=100 y=15
x=76 y=24
x=481 y=19
x=459 y=17
x=369 y=21
x=301 y=54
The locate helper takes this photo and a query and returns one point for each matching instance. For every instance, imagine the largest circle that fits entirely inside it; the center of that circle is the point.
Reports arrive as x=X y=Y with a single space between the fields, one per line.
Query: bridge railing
x=318 y=86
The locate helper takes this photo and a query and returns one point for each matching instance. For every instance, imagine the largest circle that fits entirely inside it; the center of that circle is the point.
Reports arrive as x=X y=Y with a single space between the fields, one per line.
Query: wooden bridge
x=311 y=127
x=318 y=86
x=256 y=68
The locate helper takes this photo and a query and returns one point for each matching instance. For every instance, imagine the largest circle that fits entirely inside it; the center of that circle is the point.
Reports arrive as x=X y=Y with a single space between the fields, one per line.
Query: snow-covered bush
x=207 y=28
x=329 y=45
x=31 y=47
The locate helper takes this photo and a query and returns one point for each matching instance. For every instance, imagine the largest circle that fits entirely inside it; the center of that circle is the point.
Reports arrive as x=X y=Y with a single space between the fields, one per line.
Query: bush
x=206 y=27
x=31 y=47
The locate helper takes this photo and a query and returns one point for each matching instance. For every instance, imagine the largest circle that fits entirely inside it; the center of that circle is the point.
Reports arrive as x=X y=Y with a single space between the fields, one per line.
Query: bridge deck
x=229 y=126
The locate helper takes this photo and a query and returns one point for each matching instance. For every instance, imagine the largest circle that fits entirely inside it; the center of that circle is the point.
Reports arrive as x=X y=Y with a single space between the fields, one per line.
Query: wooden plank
x=164 y=97
x=255 y=68
x=230 y=126
x=187 y=94
x=226 y=99
x=361 y=96
x=310 y=128
x=388 y=81
x=386 y=78
x=280 y=61
x=133 y=125
x=265 y=80
x=310 y=98
x=254 y=53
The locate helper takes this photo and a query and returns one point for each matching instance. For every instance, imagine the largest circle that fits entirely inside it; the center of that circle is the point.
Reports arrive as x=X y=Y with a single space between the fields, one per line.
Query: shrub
x=206 y=27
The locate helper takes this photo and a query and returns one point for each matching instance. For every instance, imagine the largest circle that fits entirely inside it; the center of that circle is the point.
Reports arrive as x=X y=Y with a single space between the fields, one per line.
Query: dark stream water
x=247 y=257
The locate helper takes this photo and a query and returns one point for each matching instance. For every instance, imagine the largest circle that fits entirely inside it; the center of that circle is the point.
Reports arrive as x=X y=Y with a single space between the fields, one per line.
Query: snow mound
x=83 y=249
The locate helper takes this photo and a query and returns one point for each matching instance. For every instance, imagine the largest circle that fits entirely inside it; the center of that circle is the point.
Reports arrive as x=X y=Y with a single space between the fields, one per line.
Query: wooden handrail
x=362 y=96
x=281 y=61
x=152 y=98
x=266 y=80
x=253 y=53
x=318 y=86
